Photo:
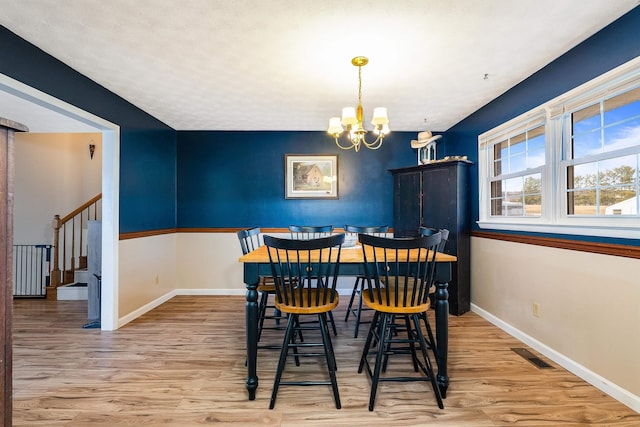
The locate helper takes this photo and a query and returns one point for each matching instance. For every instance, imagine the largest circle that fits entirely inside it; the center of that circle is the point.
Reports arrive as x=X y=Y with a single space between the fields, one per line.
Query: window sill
x=578 y=230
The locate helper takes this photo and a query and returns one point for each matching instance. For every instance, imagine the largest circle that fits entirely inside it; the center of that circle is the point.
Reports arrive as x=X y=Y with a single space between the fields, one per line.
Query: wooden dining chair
x=249 y=241
x=399 y=273
x=305 y=232
x=352 y=231
x=305 y=274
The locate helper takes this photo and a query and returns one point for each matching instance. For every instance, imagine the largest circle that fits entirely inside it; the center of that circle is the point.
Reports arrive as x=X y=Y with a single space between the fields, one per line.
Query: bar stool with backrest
x=427 y=231
x=359 y=284
x=306 y=232
x=312 y=265
x=399 y=274
x=398 y=327
x=250 y=241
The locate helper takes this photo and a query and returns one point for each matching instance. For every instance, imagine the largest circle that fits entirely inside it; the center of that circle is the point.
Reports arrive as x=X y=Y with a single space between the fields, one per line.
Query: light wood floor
x=183 y=365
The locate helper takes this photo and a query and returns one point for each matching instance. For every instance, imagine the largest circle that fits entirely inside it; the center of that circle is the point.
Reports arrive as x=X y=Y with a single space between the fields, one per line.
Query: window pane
x=532 y=206
x=513 y=185
x=584 y=202
x=587 y=119
x=625 y=201
x=520 y=196
x=585 y=144
x=619 y=201
x=584 y=176
x=535 y=150
x=533 y=195
x=623 y=134
x=614 y=126
x=621 y=170
x=622 y=107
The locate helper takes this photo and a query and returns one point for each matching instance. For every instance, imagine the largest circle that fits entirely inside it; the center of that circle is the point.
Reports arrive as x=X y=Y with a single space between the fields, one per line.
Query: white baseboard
x=613 y=390
x=166 y=297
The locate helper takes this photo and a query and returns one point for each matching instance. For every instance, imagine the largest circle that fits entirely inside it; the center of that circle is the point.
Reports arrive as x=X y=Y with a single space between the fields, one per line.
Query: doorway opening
x=43 y=113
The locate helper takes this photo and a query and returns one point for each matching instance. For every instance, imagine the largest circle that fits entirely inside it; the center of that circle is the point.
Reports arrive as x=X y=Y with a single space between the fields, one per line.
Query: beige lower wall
x=589 y=303
x=209 y=261
x=147 y=271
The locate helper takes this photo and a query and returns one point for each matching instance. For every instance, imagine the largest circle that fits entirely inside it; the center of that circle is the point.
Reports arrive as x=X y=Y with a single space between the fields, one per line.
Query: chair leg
x=429 y=367
x=367 y=343
x=359 y=312
x=353 y=294
x=379 y=359
x=333 y=324
x=330 y=341
x=283 y=358
x=330 y=356
x=262 y=310
x=432 y=341
x=412 y=343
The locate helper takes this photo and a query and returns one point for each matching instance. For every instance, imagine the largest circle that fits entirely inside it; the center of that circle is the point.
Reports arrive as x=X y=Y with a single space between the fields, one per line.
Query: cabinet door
x=439 y=202
x=445 y=205
x=407 y=202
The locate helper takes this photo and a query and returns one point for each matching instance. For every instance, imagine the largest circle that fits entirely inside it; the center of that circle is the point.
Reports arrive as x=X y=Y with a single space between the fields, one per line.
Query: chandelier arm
x=343 y=147
x=374 y=145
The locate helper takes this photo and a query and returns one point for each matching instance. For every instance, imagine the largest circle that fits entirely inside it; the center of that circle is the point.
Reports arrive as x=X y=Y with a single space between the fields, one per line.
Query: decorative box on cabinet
x=437 y=195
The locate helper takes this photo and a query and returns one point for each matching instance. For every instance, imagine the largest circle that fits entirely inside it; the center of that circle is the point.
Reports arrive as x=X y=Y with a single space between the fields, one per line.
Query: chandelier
x=352 y=119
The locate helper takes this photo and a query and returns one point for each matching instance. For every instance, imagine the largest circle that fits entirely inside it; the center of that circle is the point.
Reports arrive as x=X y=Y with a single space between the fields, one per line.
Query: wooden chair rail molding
x=574 y=245
x=149 y=233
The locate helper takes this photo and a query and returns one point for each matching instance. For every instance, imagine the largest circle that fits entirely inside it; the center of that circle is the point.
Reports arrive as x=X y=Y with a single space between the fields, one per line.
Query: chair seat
x=267 y=287
x=305 y=302
x=391 y=308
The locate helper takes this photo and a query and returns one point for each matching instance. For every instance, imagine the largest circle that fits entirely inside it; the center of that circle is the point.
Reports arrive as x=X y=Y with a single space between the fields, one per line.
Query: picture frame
x=311 y=176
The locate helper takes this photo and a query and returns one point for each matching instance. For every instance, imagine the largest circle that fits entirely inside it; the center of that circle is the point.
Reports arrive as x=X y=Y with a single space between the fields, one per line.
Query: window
x=570 y=166
x=516 y=175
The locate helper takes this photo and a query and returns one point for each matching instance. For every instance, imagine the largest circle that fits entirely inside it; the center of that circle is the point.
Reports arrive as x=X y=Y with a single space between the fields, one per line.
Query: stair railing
x=68 y=240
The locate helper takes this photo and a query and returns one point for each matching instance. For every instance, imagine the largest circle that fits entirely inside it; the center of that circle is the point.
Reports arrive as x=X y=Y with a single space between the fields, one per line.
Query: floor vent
x=532 y=358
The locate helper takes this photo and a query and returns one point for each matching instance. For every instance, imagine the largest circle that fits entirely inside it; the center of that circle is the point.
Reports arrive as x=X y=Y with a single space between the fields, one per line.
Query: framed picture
x=311 y=176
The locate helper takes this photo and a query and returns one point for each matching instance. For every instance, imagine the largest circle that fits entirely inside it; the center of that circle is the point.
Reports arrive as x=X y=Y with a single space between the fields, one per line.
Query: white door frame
x=110 y=188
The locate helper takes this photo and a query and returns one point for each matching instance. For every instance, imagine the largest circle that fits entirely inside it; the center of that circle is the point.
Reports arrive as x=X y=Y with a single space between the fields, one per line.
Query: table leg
x=252 y=339
x=442 y=335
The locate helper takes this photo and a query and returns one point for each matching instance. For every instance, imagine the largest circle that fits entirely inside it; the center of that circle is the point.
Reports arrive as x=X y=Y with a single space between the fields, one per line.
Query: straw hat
x=424 y=138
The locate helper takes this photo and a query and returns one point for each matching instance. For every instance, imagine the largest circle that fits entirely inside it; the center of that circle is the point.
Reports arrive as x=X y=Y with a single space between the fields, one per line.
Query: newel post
x=56 y=274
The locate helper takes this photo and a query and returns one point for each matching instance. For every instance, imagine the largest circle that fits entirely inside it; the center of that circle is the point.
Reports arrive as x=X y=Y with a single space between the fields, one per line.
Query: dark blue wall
x=147 y=146
x=613 y=46
x=236 y=179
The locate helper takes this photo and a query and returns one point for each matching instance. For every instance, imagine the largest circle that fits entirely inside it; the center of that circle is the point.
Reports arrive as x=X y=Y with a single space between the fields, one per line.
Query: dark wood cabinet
x=437 y=195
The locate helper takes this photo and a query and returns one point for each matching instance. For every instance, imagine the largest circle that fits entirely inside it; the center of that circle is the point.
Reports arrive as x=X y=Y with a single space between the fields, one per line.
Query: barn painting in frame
x=311 y=176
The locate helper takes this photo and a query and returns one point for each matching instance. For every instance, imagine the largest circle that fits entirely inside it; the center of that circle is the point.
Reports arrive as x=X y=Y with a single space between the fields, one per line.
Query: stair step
x=73 y=291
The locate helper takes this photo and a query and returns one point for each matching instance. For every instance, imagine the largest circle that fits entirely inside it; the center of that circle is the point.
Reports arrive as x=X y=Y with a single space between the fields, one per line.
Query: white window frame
x=553 y=218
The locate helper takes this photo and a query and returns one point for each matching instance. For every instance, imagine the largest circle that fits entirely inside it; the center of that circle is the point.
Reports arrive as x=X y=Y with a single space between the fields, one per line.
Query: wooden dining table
x=256 y=264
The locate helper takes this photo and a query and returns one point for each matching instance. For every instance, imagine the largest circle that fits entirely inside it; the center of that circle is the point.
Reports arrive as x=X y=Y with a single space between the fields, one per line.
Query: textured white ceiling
x=286 y=65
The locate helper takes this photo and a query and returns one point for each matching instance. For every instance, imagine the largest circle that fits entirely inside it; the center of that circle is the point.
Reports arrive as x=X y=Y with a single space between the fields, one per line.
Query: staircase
x=69 y=275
